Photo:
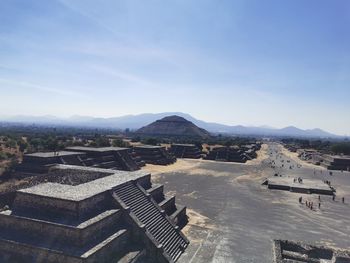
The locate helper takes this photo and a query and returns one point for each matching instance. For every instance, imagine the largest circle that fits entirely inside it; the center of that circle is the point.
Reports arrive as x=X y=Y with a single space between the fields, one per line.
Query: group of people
x=327 y=182
x=342 y=199
x=310 y=204
x=299 y=179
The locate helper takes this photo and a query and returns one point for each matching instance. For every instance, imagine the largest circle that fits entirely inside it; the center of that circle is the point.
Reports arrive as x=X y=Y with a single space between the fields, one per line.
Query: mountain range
x=134 y=122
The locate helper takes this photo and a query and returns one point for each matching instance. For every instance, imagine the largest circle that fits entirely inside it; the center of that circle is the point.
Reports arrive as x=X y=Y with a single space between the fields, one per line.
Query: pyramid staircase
x=156 y=223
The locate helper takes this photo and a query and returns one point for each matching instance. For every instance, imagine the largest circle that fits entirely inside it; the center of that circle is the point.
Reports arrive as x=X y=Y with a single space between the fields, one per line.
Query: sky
x=237 y=62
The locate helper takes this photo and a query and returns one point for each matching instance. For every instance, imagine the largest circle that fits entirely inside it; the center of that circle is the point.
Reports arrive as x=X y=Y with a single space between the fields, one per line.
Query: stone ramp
x=156 y=222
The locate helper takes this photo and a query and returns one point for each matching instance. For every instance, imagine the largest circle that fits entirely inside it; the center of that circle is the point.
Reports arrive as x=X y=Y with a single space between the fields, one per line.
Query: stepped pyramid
x=173 y=126
x=117 y=216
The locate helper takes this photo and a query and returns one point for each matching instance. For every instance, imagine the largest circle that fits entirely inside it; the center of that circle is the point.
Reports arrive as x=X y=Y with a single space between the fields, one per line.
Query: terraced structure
x=154 y=154
x=117 y=217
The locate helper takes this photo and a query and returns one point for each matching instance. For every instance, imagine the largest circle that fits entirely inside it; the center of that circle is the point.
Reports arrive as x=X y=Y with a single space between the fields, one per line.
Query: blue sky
x=249 y=62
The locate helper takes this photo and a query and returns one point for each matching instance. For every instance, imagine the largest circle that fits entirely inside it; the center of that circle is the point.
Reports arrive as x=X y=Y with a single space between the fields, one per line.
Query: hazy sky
x=249 y=62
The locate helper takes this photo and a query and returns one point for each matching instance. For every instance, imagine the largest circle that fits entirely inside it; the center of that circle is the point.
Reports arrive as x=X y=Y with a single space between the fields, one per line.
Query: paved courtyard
x=233 y=218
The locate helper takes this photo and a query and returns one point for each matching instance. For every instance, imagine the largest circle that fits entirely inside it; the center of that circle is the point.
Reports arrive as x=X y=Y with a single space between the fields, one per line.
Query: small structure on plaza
x=173 y=126
x=289 y=252
x=185 y=151
x=336 y=162
x=154 y=154
x=299 y=185
x=106 y=157
x=97 y=215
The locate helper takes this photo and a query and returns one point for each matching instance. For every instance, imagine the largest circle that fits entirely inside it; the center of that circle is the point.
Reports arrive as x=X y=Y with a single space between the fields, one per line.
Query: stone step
x=155 y=221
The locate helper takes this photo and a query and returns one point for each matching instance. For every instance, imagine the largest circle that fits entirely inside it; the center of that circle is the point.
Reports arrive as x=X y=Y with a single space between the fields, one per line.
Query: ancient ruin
x=185 y=151
x=227 y=154
x=335 y=162
x=113 y=216
x=173 y=126
x=305 y=186
x=154 y=154
x=106 y=157
x=296 y=252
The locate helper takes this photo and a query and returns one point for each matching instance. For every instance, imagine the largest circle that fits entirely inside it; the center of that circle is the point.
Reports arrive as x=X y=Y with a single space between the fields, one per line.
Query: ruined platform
x=153 y=154
x=185 y=151
x=114 y=158
x=307 y=186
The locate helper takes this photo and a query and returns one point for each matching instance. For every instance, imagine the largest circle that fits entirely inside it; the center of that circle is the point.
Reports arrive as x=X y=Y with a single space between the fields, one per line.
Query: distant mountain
x=173 y=126
x=135 y=122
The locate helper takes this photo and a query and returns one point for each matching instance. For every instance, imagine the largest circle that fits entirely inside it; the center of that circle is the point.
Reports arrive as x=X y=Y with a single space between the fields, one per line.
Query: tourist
x=319 y=198
x=333 y=197
x=343 y=199
x=319 y=205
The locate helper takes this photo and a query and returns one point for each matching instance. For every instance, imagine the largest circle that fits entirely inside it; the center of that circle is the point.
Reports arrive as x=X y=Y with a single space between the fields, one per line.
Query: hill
x=173 y=126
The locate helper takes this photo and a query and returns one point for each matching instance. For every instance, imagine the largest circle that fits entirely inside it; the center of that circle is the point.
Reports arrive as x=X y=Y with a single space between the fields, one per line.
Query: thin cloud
x=28 y=85
x=129 y=77
x=86 y=15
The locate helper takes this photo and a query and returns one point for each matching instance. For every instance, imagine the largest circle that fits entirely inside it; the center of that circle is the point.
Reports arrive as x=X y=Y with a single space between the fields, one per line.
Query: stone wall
x=61 y=233
x=59 y=207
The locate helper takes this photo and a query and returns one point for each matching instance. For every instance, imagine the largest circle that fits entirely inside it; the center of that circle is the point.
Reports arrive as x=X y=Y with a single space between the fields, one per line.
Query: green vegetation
x=120 y=143
x=6 y=156
x=324 y=146
x=341 y=148
x=101 y=141
x=151 y=141
x=32 y=138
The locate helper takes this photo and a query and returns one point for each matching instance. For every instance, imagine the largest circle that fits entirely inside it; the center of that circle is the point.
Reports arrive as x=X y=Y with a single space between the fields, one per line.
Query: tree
x=228 y=143
x=120 y=143
x=136 y=139
x=102 y=142
x=341 y=148
x=51 y=144
x=11 y=143
x=151 y=141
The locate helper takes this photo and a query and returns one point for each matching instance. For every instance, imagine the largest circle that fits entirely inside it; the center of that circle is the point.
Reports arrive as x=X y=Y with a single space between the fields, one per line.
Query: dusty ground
x=294 y=156
x=233 y=218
